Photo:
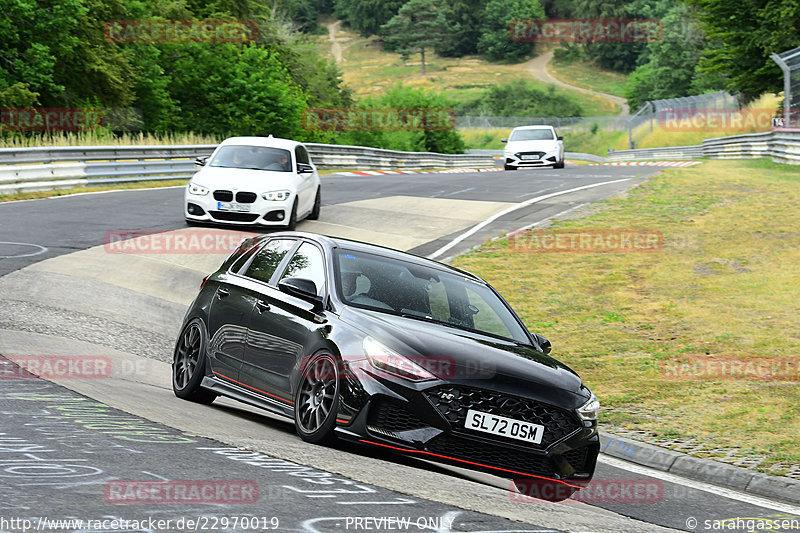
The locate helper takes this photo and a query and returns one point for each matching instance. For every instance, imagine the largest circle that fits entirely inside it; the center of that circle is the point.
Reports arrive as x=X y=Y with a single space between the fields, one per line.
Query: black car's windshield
x=532 y=135
x=252 y=157
x=399 y=287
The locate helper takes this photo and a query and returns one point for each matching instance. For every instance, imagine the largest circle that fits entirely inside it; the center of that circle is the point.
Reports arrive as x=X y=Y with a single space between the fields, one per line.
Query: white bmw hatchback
x=263 y=181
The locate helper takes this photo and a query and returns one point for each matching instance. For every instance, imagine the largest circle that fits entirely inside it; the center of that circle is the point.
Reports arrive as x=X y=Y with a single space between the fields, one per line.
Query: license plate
x=505 y=427
x=528 y=157
x=233 y=206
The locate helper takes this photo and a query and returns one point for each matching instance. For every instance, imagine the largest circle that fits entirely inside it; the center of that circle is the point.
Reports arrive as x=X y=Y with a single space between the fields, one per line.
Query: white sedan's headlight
x=197 y=190
x=276 y=196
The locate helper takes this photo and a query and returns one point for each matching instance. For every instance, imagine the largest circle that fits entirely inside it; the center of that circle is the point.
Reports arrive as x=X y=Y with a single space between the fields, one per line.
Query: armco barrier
x=32 y=169
x=783 y=146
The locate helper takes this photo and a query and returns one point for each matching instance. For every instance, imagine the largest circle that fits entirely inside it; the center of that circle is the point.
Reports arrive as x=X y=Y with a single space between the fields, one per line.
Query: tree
x=419 y=25
x=740 y=37
x=671 y=69
x=621 y=56
x=464 y=19
x=495 y=42
x=366 y=16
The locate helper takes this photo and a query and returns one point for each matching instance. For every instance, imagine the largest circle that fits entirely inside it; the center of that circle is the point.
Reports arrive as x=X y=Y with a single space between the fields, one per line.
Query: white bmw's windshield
x=252 y=157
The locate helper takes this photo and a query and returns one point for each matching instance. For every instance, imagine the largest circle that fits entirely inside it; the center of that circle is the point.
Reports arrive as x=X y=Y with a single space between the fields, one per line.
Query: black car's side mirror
x=303 y=288
x=560 y=137
x=504 y=140
x=543 y=343
x=200 y=161
x=303 y=168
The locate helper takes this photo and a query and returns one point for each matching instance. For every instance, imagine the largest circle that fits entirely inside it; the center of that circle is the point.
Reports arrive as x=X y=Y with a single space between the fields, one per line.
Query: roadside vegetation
x=725 y=284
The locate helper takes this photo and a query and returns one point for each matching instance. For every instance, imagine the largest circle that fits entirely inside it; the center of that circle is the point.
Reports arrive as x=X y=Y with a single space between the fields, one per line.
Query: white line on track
x=699 y=485
x=477 y=227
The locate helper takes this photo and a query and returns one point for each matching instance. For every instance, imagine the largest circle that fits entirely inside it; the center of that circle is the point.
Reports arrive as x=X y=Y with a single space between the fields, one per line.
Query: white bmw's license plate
x=529 y=157
x=505 y=427
x=233 y=206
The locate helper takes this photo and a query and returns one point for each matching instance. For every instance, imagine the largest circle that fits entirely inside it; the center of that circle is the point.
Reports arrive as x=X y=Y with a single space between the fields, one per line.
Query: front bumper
x=532 y=159
x=427 y=421
x=260 y=212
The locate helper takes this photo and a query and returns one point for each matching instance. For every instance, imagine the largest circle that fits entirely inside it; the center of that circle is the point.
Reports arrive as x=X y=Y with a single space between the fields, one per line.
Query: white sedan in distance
x=533 y=146
x=264 y=181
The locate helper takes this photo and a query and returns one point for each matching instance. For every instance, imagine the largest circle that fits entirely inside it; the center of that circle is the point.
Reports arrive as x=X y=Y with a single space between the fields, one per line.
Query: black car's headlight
x=389 y=362
x=589 y=410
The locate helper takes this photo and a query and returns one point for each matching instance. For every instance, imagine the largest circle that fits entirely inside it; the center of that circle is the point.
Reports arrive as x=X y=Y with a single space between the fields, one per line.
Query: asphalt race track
x=78 y=448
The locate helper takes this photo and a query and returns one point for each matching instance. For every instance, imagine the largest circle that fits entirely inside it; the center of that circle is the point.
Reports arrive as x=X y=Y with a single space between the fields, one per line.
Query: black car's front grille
x=246 y=197
x=453 y=402
x=233 y=217
x=393 y=416
x=492 y=455
x=223 y=196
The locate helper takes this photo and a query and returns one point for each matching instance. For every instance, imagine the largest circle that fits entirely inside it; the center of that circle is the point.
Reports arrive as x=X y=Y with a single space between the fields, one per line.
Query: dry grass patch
x=725 y=284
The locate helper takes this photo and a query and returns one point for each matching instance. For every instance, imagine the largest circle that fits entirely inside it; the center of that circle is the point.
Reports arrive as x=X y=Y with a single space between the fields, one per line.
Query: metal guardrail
x=781 y=146
x=32 y=169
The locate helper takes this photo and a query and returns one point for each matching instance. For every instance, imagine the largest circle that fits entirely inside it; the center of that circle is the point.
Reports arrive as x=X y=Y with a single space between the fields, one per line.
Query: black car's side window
x=307 y=263
x=268 y=258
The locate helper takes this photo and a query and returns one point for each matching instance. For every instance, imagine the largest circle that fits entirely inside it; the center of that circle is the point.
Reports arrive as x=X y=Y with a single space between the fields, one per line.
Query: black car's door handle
x=223 y=292
x=262 y=306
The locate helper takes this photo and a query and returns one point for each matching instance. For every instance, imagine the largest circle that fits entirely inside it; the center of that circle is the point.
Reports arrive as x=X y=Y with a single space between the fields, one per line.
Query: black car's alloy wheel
x=317 y=399
x=188 y=364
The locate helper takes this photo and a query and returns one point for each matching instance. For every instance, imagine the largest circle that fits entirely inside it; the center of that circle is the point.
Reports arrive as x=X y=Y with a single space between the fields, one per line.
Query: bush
x=520 y=98
x=400 y=97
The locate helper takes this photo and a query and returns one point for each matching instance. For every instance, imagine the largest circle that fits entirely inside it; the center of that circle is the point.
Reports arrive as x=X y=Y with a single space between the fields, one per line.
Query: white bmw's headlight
x=387 y=361
x=589 y=410
x=276 y=196
x=197 y=190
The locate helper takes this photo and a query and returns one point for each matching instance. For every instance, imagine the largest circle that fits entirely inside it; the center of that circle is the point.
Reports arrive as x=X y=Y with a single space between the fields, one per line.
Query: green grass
x=589 y=76
x=593 y=143
x=725 y=284
x=370 y=71
x=102 y=138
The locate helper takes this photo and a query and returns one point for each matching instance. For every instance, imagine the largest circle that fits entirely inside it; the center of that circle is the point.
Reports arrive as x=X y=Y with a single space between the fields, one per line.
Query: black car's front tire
x=317 y=399
x=189 y=364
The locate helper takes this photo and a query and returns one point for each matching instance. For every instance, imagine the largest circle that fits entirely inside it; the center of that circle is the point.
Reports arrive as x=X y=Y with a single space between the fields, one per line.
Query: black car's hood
x=473 y=359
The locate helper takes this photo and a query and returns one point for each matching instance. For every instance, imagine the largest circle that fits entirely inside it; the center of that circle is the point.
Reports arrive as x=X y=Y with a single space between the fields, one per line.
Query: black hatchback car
x=387 y=349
